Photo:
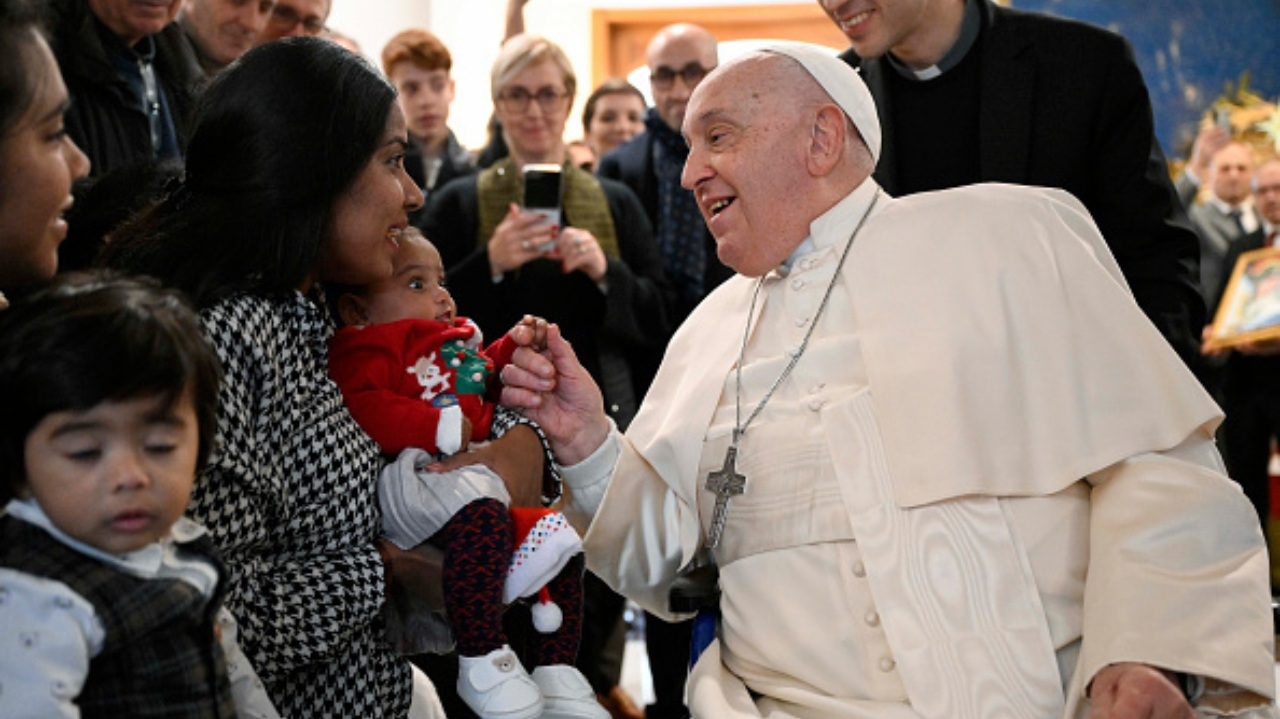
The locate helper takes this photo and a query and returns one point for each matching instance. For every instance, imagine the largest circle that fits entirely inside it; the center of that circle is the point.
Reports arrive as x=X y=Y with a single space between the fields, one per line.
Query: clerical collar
x=806 y=246
x=969 y=29
x=831 y=228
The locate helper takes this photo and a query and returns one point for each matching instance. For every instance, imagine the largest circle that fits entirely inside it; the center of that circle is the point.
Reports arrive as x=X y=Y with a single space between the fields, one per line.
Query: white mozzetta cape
x=1005 y=359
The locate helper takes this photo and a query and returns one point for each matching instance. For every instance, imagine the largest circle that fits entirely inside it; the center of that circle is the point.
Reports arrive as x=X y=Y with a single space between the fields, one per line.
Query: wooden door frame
x=619 y=37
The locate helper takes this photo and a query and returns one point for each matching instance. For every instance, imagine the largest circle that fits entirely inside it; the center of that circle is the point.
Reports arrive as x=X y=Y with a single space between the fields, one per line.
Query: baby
x=414 y=376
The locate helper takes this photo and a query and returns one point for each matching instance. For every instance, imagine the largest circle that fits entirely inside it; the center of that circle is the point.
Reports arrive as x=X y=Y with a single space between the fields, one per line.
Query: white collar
x=144 y=563
x=1244 y=207
x=832 y=228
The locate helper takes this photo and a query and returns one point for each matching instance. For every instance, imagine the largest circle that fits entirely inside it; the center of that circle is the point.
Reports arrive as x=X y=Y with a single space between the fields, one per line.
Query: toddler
x=111 y=598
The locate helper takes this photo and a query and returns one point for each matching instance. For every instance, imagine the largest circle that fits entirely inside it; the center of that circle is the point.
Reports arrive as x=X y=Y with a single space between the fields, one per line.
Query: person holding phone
x=533 y=234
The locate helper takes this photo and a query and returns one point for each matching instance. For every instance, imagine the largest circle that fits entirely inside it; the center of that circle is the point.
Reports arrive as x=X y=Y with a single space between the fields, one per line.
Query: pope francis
x=945 y=465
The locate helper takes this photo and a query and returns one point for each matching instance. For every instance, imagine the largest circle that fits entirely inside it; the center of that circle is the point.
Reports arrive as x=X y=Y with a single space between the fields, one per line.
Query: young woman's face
x=619 y=116
x=367 y=219
x=117 y=475
x=38 y=163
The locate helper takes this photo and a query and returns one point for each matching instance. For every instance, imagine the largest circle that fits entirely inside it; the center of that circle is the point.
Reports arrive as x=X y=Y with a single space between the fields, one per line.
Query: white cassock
x=987 y=478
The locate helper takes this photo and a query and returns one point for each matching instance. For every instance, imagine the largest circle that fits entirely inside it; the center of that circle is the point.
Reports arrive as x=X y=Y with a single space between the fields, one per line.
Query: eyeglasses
x=289 y=18
x=516 y=100
x=692 y=74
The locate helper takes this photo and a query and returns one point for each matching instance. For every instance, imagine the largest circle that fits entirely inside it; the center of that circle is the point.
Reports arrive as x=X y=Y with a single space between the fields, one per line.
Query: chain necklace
x=726 y=482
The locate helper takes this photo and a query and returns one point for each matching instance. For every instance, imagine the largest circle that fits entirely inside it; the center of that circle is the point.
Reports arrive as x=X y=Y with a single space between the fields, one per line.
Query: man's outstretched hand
x=553 y=389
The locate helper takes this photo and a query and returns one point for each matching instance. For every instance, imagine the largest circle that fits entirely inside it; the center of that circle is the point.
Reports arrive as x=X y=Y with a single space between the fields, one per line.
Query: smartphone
x=542 y=188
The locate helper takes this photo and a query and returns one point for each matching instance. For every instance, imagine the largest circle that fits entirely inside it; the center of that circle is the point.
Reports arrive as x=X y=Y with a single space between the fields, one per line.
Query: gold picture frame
x=1250 y=307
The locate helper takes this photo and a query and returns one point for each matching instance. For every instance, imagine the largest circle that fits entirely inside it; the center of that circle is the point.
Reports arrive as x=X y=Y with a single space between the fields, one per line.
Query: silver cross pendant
x=726 y=483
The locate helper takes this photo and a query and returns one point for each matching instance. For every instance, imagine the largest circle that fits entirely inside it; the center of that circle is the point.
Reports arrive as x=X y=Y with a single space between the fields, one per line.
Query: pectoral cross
x=726 y=483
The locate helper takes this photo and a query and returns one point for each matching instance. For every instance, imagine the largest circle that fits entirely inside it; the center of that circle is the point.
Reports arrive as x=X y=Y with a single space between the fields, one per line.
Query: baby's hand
x=531 y=332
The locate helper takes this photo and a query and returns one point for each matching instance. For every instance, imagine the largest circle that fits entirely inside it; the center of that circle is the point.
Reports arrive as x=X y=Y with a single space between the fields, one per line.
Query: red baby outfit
x=400 y=378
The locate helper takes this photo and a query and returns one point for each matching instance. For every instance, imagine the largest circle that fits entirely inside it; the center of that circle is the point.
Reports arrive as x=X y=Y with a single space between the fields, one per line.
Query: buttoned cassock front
x=982 y=415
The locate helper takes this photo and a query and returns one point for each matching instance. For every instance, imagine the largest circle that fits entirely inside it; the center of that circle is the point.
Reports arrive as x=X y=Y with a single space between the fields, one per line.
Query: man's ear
x=828 y=136
x=352 y=310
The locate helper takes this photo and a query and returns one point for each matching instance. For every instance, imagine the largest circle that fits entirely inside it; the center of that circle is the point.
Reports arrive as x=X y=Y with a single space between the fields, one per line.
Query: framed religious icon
x=1250 y=306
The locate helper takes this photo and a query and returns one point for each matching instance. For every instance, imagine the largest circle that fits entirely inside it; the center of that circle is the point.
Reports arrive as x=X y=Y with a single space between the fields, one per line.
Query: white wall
x=473 y=31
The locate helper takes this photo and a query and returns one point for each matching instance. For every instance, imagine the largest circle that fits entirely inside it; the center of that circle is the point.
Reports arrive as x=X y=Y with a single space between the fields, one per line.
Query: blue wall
x=1188 y=51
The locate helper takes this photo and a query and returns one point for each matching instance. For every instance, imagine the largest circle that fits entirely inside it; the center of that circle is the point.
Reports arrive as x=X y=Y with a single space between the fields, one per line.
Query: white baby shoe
x=567 y=694
x=496 y=686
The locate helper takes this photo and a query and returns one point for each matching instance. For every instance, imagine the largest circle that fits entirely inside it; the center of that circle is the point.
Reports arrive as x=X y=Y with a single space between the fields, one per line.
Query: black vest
x=160 y=657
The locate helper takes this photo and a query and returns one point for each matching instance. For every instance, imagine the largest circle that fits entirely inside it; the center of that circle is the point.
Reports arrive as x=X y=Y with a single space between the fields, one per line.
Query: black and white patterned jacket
x=289 y=498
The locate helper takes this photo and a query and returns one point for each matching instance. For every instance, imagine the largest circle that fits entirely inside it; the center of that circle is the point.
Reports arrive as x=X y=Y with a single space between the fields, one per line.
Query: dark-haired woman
x=38 y=162
x=295 y=179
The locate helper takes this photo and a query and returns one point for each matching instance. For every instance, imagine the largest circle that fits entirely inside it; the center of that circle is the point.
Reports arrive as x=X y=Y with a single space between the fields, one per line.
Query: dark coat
x=104 y=119
x=632 y=164
x=1251 y=401
x=1063 y=104
x=457 y=163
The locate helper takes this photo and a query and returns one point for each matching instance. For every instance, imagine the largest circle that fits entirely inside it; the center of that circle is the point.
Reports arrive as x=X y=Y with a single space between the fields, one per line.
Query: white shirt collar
x=1226 y=209
x=145 y=563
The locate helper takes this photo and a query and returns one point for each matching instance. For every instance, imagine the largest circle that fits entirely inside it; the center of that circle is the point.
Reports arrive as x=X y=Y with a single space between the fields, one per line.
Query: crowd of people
x=937 y=404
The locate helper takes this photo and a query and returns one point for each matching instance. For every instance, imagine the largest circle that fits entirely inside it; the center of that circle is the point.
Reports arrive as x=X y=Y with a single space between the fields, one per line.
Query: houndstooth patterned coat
x=289 y=498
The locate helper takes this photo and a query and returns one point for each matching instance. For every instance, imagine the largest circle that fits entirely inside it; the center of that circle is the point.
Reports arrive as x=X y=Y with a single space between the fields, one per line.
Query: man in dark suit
x=650 y=164
x=1251 y=392
x=967 y=91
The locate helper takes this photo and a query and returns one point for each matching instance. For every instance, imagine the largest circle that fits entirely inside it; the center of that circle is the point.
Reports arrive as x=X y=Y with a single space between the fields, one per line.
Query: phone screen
x=542 y=187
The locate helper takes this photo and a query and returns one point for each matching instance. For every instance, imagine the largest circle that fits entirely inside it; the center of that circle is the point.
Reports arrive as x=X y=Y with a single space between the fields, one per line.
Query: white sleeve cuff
x=588 y=479
x=449 y=430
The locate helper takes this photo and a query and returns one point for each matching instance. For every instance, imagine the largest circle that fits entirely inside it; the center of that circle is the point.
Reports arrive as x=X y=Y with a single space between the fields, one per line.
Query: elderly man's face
x=1266 y=191
x=293 y=18
x=677 y=63
x=132 y=20
x=747 y=167
x=226 y=29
